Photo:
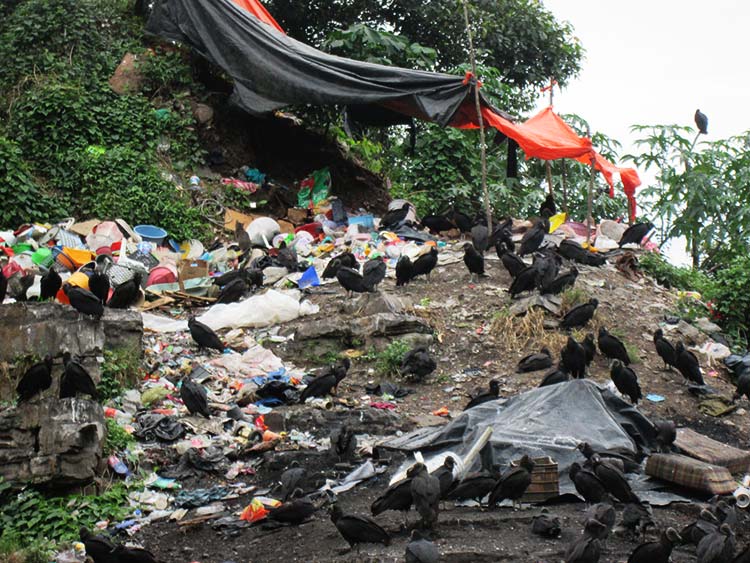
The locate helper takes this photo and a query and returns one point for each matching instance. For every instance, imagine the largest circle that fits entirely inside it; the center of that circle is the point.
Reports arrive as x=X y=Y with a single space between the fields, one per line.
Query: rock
x=706 y=326
x=127 y=79
x=373 y=303
x=381 y=324
x=612 y=229
x=417 y=339
x=55 y=442
x=692 y=334
x=203 y=113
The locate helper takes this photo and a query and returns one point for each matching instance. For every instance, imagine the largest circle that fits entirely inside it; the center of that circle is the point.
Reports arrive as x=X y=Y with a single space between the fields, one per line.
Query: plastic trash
x=118 y=466
x=77 y=554
x=254 y=511
x=309 y=278
x=270 y=308
x=262 y=230
x=742 y=493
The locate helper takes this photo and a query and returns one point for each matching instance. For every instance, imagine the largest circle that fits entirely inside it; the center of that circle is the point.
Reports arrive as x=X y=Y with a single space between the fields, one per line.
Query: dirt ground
x=469 y=343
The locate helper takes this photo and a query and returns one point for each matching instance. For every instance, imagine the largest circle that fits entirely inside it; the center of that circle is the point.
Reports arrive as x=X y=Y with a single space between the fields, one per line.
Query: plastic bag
x=314 y=188
x=270 y=308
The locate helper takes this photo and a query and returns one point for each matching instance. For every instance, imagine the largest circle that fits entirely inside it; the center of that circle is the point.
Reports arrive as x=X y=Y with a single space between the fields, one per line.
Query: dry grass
x=526 y=332
x=571 y=297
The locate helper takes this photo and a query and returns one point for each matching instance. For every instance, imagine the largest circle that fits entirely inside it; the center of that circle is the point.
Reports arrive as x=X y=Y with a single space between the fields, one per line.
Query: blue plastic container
x=150 y=233
x=367 y=221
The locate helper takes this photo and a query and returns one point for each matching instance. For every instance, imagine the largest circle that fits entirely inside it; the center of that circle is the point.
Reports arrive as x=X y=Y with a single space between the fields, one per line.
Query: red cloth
x=259 y=11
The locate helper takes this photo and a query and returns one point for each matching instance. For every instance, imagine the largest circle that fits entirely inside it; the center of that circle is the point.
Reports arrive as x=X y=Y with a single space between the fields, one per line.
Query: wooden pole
x=547 y=163
x=565 y=186
x=482 y=145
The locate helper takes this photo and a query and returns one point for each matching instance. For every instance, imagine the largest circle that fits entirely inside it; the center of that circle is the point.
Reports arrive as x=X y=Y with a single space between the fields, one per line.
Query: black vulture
x=562 y=282
x=511 y=261
x=425 y=494
x=588 y=485
x=524 y=281
x=98 y=547
x=605 y=513
x=613 y=480
x=373 y=272
x=126 y=294
x=404 y=270
x=294 y=511
x=83 y=301
x=612 y=347
x=718 y=546
x=352 y=281
x=701 y=122
x=626 y=381
x=437 y=223
x=546 y=525
x=358 y=529
x=589 y=345
x=534 y=237
x=326 y=382
x=490 y=395
x=396 y=497
x=462 y=221
x=204 y=336
x=291 y=479
x=665 y=349
x=620 y=457
x=480 y=238
x=125 y=554
x=50 y=285
x=394 y=217
x=535 y=362
x=586 y=548
x=473 y=487
x=573 y=357
x=548 y=207
x=513 y=484
x=3 y=285
x=580 y=315
x=634 y=233
x=99 y=285
x=233 y=291
x=474 y=261
x=502 y=237
x=688 y=365
x=742 y=386
x=194 y=397
x=705 y=524
x=547 y=264
x=657 y=551
x=421 y=550
x=560 y=374
x=666 y=434
x=444 y=475
x=425 y=263
x=346 y=259
x=417 y=363
x=571 y=250
x=37 y=378
x=343 y=442
x=75 y=379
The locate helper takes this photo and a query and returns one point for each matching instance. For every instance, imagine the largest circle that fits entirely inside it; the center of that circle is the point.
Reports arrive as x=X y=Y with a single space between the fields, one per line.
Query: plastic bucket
x=151 y=233
x=43 y=257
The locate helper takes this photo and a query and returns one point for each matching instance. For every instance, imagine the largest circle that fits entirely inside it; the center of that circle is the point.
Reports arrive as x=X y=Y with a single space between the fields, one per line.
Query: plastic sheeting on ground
x=547 y=421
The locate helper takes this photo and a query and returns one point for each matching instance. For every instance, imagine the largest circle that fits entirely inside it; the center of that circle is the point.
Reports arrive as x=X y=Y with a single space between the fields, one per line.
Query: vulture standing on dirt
x=589 y=345
x=396 y=497
x=605 y=513
x=474 y=261
x=634 y=234
x=99 y=548
x=502 y=237
x=473 y=487
x=75 y=379
x=657 y=551
x=126 y=554
x=586 y=548
x=534 y=237
x=394 y=217
x=580 y=315
x=613 y=480
x=346 y=259
x=437 y=224
x=373 y=272
x=688 y=365
x=421 y=550
x=626 y=381
x=37 y=378
x=462 y=221
x=233 y=291
x=513 y=484
x=511 y=261
x=561 y=283
x=194 y=397
x=666 y=434
x=548 y=207
x=665 y=349
x=718 y=546
x=535 y=362
x=126 y=294
x=546 y=525
x=637 y=518
x=573 y=357
x=743 y=387
x=291 y=479
x=612 y=347
x=358 y=529
x=425 y=263
x=547 y=264
x=425 y=493
x=295 y=510
x=83 y=301
x=444 y=475
x=352 y=281
x=404 y=270
x=327 y=382
x=417 y=364
x=490 y=395
x=560 y=374
x=705 y=524
x=480 y=238
x=524 y=281
x=586 y=483
x=701 y=122
x=343 y=442
x=203 y=336
x=50 y=285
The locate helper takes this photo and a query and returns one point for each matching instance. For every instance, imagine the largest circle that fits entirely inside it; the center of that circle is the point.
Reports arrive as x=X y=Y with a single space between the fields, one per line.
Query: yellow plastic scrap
x=555 y=221
x=590 y=247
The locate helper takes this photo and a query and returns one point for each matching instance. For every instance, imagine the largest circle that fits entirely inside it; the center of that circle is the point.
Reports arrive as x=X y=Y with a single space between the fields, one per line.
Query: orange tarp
x=259 y=11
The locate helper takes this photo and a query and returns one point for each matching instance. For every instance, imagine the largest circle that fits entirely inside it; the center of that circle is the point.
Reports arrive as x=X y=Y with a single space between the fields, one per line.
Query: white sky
x=656 y=62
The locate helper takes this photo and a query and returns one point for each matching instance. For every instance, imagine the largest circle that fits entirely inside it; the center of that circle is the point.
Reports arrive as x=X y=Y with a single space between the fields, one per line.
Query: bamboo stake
x=565 y=186
x=547 y=163
x=482 y=147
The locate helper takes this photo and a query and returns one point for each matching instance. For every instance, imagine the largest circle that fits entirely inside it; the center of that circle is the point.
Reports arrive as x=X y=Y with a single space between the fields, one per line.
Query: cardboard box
x=190 y=269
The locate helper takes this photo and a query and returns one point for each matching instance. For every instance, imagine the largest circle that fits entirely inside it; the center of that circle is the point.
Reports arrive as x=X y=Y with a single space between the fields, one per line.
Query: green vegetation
x=388 y=360
x=30 y=517
x=117 y=438
x=120 y=371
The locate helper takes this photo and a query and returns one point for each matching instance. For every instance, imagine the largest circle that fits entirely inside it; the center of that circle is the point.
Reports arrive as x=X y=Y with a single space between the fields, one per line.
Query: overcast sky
x=656 y=62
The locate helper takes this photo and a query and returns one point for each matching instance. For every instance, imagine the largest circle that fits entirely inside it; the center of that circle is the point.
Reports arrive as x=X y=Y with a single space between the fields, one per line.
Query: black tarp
x=271 y=70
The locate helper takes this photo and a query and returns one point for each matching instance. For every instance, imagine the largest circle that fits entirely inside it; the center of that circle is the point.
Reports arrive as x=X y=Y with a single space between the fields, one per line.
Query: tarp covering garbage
x=547 y=421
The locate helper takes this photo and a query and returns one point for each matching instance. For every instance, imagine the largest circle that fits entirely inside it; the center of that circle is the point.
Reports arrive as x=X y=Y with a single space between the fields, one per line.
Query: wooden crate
x=691 y=473
x=545 y=480
x=716 y=453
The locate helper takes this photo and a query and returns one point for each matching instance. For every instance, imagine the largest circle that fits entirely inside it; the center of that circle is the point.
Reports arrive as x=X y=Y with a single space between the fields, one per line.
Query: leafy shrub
x=21 y=196
x=388 y=361
x=164 y=71
x=120 y=371
x=729 y=298
x=117 y=438
x=673 y=276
